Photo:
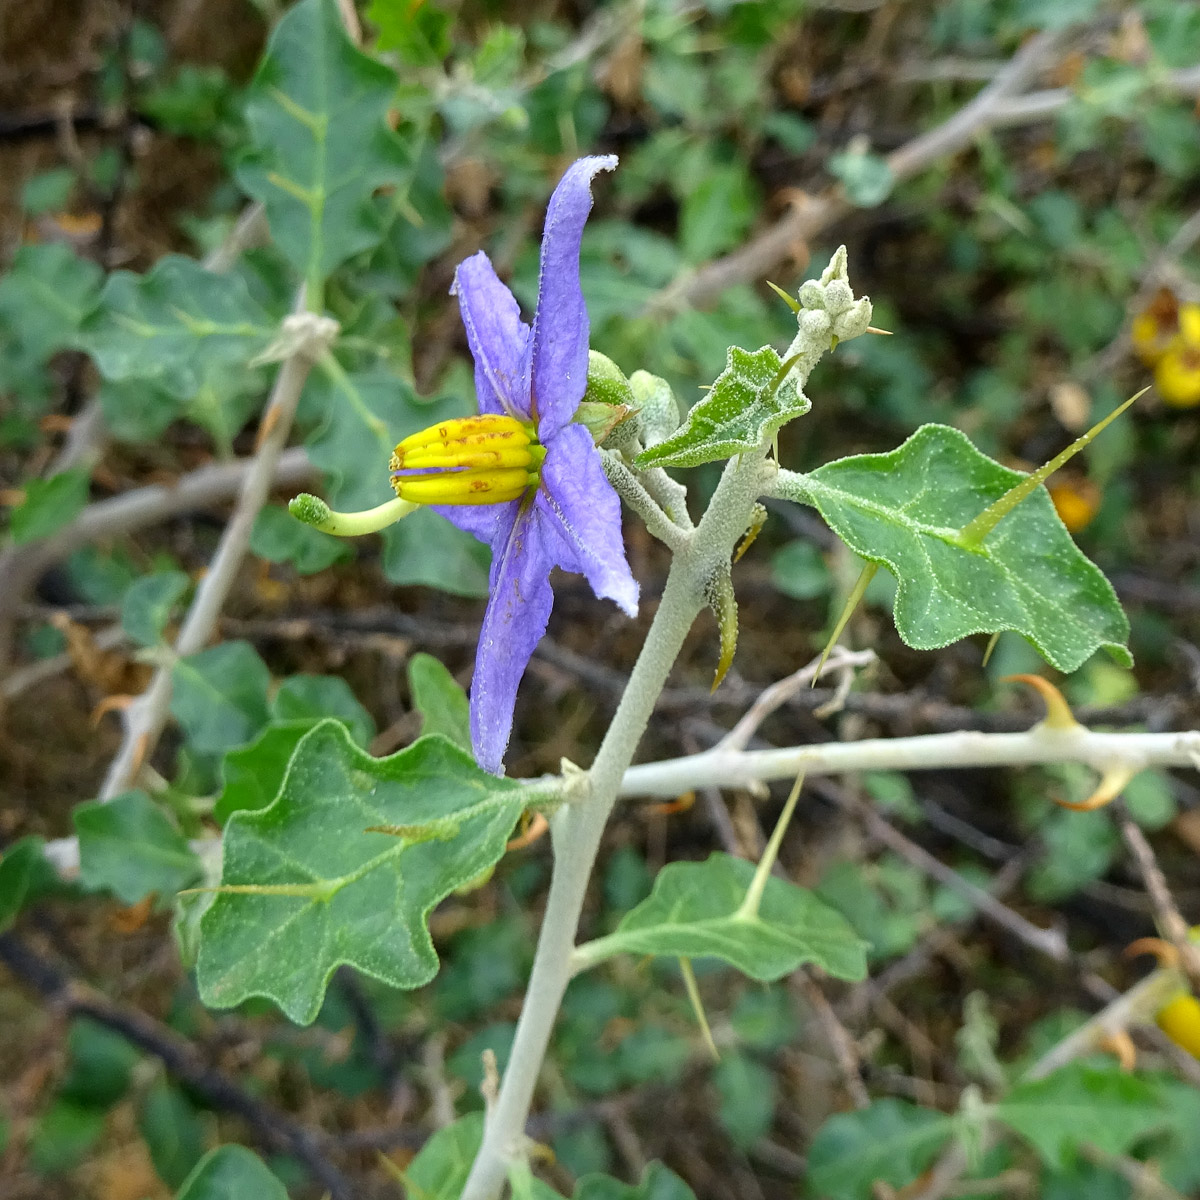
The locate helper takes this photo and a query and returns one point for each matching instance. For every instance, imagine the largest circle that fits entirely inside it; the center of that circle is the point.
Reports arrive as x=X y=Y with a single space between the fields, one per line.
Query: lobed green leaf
x=336 y=893
x=694 y=911
x=905 y=510
x=317 y=112
x=747 y=405
x=175 y=326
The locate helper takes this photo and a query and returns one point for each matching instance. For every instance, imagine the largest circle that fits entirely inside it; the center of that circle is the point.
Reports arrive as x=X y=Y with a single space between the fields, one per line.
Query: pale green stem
x=312 y=510
x=577 y=828
x=754 y=893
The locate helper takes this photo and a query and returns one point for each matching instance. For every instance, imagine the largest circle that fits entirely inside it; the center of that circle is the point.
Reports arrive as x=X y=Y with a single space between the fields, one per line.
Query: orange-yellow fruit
x=1179 y=1019
x=1155 y=327
x=1178 y=375
x=1077 y=502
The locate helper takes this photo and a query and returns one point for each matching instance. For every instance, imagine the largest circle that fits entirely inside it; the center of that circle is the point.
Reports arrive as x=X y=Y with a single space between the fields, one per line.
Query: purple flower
x=572 y=517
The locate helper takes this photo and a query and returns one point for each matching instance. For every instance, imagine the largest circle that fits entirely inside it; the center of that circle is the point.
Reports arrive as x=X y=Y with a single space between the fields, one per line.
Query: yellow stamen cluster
x=1166 y=336
x=470 y=460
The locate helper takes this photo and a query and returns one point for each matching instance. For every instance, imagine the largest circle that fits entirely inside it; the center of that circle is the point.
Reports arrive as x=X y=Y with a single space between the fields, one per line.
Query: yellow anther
x=490 y=431
x=469 y=460
x=464 y=487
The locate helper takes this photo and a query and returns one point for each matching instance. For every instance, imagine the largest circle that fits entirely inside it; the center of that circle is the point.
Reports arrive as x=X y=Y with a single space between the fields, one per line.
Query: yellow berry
x=1178 y=375
x=1179 y=1019
x=1077 y=503
x=1155 y=327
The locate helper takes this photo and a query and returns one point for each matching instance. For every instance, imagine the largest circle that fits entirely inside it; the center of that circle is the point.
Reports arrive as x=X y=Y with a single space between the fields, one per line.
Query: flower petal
x=560 y=325
x=517 y=612
x=497 y=336
x=586 y=514
x=490 y=523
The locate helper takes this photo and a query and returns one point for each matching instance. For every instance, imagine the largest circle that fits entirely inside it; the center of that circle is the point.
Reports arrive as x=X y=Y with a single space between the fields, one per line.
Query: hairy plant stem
x=577 y=828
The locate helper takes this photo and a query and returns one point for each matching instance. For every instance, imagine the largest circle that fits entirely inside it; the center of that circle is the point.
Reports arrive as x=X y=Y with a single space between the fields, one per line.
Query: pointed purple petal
x=585 y=512
x=560 y=325
x=497 y=336
x=516 y=616
x=490 y=523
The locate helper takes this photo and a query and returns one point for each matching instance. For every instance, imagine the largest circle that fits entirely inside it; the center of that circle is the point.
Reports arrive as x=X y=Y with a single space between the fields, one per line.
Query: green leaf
x=314 y=697
x=335 y=893
x=747 y=1092
x=426 y=550
x=63 y=1136
x=317 y=112
x=747 y=405
x=693 y=912
x=904 y=509
x=175 y=326
x=440 y=1170
x=440 y=700
x=147 y=606
x=867 y=178
x=49 y=504
x=253 y=773
x=1083 y=1105
x=23 y=867
x=101 y=1064
x=219 y=696
x=279 y=538
x=231 y=1173
x=173 y=1132
x=891 y=1141
x=45 y=296
x=129 y=847
x=657 y=1183
x=715 y=214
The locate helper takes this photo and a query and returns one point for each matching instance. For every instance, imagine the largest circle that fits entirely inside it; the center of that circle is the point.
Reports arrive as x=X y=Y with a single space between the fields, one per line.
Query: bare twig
x=145 y=718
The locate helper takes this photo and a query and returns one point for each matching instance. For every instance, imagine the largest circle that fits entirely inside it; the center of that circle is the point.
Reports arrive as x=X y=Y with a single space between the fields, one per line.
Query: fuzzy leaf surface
x=904 y=509
x=341 y=894
x=692 y=912
x=891 y=1141
x=1083 y=1105
x=231 y=1173
x=175 y=326
x=317 y=112
x=745 y=406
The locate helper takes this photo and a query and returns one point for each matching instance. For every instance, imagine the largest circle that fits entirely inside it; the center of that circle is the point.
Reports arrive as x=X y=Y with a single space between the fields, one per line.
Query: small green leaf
x=334 y=893
x=867 y=178
x=426 y=550
x=173 y=1132
x=694 y=911
x=175 y=326
x=23 y=868
x=440 y=1170
x=657 y=1183
x=749 y=402
x=129 y=847
x=279 y=538
x=147 y=606
x=101 y=1064
x=314 y=697
x=219 y=696
x=1083 y=1105
x=231 y=1173
x=747 y=1093
x=317 y=112
x=49 y=504
x=63 y=1136
x=891 y=1142
x=440 y=700
x=45 y=296
x=905 y=510
x=253 y=773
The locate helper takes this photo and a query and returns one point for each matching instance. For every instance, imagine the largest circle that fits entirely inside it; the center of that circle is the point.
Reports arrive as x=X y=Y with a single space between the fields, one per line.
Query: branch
x=936 y=751
x=996 y=106
x=145 y=718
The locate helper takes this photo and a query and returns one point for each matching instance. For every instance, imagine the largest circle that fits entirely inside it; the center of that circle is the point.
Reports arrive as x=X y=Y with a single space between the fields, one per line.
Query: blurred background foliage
x=1030 y=281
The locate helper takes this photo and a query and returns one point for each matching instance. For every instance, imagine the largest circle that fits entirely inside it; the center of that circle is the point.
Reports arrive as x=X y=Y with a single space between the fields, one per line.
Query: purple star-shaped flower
x=572 y=519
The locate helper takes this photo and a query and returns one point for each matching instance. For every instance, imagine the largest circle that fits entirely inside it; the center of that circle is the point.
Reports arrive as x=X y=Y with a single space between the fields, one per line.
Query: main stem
x=578 y=828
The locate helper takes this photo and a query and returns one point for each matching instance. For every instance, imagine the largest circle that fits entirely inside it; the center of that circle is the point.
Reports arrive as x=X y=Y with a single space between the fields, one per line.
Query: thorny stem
x=577 y=828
